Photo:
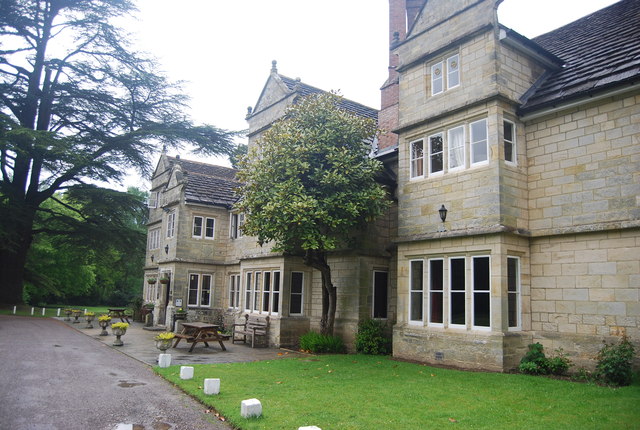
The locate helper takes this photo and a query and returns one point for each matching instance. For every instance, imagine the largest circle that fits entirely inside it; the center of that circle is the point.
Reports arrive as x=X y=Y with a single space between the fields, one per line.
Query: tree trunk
x=318 y=260
x=17 y=237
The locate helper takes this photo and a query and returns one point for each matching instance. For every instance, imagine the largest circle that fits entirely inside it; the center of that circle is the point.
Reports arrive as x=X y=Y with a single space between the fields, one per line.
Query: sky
x=223 y=50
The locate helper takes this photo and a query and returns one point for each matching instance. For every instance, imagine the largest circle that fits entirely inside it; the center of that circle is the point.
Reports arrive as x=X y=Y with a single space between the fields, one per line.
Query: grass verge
x=50 y=310
x=365 y=392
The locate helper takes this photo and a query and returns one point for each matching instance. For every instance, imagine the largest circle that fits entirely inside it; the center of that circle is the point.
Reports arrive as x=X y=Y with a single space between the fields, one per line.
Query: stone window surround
x=200 y=277
x=254 y=291
x=234 y=290
x=171 y=223
x=205 y=231
x=153 y=238
x=444 y=74
x=442 y=133
x=469 y=292
x=512 y=142
x=300 y=294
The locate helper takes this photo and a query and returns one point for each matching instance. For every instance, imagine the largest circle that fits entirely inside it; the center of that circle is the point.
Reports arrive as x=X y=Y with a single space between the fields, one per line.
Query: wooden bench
x=254 y=325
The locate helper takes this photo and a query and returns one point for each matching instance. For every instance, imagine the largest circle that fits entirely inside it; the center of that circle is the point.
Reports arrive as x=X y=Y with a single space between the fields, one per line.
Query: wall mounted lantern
x=166 y=249
x=443 y=213
x=152 y=257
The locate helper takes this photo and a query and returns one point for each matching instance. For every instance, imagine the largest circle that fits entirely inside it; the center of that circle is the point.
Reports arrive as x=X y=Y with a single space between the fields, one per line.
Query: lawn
x=50 y=310
x=369 y=392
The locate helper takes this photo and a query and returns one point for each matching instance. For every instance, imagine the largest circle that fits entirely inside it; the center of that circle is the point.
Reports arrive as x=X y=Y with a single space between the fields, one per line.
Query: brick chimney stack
x=402 y=14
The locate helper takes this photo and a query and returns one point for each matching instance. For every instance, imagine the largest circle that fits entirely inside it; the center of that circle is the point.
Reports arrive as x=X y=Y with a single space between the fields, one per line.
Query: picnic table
x=119 y=313
x=195 y=332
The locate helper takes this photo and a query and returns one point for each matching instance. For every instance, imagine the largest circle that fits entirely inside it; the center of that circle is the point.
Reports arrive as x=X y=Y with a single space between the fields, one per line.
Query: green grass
x=368 y=392
x=50 y=310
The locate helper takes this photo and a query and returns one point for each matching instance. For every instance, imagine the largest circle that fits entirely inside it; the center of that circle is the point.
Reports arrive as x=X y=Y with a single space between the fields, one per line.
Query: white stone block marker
x=309 y=428
x=186 y=372
x=250 y=408
x=212 y=386
x=164 y=360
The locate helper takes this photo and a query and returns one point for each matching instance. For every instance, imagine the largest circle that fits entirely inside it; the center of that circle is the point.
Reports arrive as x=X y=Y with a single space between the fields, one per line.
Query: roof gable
x=600 y=51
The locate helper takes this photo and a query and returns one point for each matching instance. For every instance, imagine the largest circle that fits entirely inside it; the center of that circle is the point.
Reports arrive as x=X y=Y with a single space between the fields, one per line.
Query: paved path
x=55 y=377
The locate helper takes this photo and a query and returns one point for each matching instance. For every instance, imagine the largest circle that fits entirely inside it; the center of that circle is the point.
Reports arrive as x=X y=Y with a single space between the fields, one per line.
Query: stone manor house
x=531 y=146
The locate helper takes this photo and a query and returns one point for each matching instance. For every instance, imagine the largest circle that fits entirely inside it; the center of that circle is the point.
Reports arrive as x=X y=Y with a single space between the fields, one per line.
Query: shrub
x=371 y=339
x=316 y=342
x=614 y=363
x=534 y=361
x=560 y=363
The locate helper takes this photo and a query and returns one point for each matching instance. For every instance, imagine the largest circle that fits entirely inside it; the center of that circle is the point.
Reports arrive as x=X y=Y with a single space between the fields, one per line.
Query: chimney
x=389 y=93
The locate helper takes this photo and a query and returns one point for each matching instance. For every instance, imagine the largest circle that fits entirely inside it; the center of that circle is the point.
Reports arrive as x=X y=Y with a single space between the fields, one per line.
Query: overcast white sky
x=224 y=49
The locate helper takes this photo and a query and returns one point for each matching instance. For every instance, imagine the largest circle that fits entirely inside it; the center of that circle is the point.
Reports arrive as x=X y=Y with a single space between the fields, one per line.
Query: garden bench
x=254 y=325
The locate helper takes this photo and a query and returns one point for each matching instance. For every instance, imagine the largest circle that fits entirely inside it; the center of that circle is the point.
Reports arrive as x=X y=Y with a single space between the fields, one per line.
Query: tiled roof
x=600 y=51
x=208 y=184
x=305 y=90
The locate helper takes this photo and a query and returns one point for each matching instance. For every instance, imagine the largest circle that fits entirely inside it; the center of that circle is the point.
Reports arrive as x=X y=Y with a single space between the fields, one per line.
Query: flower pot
x=104 y=325
x=163 y=344
x=89 y=319
x=118 y=332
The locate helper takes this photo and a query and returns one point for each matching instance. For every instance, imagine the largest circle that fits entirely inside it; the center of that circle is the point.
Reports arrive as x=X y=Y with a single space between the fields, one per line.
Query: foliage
x=89 y=314
x=104 y=318
x=86 y=268
x=319 y=343
x=78 y=106
x=165 y=335
x=373 y=392
x=309 y=185
x=236 y=155
x=371 y=339
x=535 y=362
x=120 y=325
x=614 y=363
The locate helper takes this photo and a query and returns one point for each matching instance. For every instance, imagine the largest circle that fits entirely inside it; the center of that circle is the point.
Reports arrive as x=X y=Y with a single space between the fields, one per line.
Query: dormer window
x=445 y=74
x=152 y=201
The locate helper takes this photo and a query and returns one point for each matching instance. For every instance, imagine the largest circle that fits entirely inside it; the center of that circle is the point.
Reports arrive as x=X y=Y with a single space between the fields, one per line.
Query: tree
x=77 y=106
x=309 y=184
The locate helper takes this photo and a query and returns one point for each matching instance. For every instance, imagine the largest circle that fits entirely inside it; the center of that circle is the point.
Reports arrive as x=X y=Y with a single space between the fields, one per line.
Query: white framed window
x=203 y=227
x=509 y=141
x=481 y=308
x=235 y=225
x=513 y=293
x=479 y=147
x=248 y=291
x=436 y=291
x=296 y=293
x=234 y=291
x=436 y=154
x=256 y=292
x=171 y=223
x=200 y=290
x=271 y=292
x=457 y=292
x=453 y=71
x=380 y=294
x=437 y=78
x=152 y=201
x=417 y=159
x=455 y=137
x=416 y=291
x=197 y=226
x=153 y=239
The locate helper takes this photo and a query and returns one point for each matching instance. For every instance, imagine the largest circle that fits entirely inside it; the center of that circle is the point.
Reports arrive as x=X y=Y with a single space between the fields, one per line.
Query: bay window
x=200 y=290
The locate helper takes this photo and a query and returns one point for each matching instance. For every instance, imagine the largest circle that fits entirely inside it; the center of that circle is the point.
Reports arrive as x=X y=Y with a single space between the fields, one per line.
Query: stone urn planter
x=180 y=315
x=89 y=317
x=163 y=340
x=76 y=315
x=119 y=329
x=103 y=322
x=67 y=314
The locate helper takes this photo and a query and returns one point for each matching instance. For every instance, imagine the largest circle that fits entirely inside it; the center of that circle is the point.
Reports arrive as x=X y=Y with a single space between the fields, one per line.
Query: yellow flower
x=166 y=335
x=121 y=325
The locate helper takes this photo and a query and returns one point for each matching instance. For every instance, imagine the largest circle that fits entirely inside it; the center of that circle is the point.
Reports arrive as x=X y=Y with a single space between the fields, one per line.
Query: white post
x=250 y=408
x=58 y=311
x=14 y=310
x=186 y=372
x=164 y=360
x=42 y=311
x=211 y=386
x=31 y=311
